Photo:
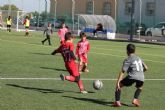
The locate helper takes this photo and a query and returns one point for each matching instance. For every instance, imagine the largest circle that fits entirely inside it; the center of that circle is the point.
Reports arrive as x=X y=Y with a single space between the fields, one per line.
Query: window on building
x=107 y=8
x=90 y=7
x=150 y=9
x=128 y=7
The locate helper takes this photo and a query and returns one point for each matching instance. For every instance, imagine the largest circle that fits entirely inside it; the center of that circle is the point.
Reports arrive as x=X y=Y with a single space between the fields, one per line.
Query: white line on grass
x=125 y=56
x=124 y=51
x=86 y=79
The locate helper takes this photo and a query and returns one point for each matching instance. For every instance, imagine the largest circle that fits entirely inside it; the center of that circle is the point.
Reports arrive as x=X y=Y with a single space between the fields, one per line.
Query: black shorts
x=8 y=26
x=26 y=27
x=128 y=82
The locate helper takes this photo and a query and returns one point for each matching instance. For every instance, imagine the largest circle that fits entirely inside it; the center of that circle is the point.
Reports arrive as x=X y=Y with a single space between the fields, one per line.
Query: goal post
x=20 y=18
x=1 y=20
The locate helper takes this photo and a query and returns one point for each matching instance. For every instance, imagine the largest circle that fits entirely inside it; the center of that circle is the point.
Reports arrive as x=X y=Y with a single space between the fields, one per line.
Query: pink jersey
x=82 y=47
x=61 y=33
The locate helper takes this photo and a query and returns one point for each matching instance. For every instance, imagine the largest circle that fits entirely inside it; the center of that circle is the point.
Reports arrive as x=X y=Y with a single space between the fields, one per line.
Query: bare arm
x=145 y=67
x=120 y=77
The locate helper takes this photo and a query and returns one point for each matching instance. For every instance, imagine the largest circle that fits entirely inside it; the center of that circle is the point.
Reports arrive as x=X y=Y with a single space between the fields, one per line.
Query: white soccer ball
x=97 y=84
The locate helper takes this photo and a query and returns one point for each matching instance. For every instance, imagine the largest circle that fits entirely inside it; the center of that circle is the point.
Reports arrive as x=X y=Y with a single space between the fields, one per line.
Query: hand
x=53 y=53
x=118 y=88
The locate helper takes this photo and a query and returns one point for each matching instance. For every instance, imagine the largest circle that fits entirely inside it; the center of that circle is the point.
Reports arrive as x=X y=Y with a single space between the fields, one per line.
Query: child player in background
x=48 y=32
x=9 y=23
x=26 y=24
x=82 y=49
x=67 y=51
x=61 y=33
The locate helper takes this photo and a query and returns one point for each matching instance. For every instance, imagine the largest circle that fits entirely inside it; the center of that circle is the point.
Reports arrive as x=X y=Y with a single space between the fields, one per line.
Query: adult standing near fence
x=9 y=22
x=26 y=24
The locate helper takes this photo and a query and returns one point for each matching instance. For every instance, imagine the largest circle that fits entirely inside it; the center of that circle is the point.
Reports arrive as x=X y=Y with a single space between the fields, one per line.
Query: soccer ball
x=97 y=84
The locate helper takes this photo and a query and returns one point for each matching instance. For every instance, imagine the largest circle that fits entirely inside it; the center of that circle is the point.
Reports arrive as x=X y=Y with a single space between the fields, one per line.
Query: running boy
x=61 y=33
x=82 y=49
x=66 y=49
x=135 y=68
x=48 y=32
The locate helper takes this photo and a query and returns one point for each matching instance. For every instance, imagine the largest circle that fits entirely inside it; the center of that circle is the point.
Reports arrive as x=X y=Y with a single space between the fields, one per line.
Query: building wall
x=65 y=7
x=148 y=20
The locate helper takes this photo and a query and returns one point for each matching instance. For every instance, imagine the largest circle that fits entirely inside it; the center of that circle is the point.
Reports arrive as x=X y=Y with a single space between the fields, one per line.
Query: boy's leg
x=117 y=97
x=44 y=40
x=139 y=85
x=9 y=28
x=80 y=84
x=84 y=61
x=73 y=69
x=27 y=31
x=85 y=68
x=125 y=82
x=137 y=93
x=69 y=78
x=80 y=66
x=48 y=37
x=118 y=93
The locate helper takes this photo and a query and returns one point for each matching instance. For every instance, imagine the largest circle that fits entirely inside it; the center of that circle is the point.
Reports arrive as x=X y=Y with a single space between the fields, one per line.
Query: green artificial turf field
x=26 y=57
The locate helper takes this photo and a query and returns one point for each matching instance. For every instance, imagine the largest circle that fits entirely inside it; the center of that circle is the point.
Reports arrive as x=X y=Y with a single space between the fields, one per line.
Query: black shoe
x=42 y=42
x=62 y=77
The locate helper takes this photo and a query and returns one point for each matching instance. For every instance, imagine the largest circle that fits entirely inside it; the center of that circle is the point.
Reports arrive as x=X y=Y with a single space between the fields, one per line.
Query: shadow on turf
x=41 y=53
x=36 y=89
x=97 y=101
x=53 y=69
x=46 y=91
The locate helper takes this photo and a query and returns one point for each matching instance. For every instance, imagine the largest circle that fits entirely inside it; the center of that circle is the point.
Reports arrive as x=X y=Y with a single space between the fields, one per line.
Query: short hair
x=27 y=17
x=82 y=34
x=68 y=36
x=131 y=48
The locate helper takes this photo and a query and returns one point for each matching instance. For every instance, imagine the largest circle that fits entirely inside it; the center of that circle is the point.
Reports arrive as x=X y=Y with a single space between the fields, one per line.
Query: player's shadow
x=41 y=53
x=97 y=101
x=56 y=69
x=36 y=89
x=46 y=91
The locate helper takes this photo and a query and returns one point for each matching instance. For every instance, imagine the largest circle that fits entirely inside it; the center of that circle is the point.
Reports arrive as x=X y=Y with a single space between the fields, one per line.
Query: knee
x=77 y=78
x=140 y=88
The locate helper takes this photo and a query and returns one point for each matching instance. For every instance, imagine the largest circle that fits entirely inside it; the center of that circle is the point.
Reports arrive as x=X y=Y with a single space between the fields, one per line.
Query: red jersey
x=82 y=47
x=66 y=49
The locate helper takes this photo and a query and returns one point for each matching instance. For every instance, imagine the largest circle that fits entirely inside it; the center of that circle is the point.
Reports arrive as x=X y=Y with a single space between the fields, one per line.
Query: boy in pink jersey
x=62 y=32
x=82 y=49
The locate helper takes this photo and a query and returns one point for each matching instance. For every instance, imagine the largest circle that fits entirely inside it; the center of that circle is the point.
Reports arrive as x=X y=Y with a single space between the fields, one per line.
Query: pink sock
x=80 y=85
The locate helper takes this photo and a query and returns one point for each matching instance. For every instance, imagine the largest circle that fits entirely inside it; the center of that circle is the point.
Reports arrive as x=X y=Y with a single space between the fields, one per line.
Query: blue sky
x=27 y=5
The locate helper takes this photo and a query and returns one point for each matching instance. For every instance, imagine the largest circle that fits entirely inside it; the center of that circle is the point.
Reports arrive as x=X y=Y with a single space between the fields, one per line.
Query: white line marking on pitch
x=125 y=56
x=86 y=79
x=124 y=51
